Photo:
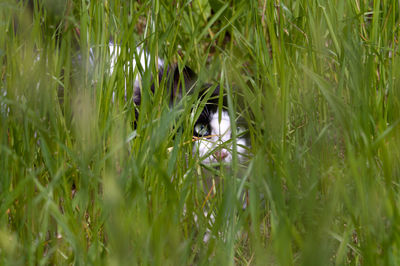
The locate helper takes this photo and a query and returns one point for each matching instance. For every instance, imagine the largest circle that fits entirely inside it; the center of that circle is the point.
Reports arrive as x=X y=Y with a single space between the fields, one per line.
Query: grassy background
x=316 y=81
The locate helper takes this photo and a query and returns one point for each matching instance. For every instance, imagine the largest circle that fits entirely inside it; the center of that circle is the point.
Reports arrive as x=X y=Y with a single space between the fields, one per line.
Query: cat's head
x=213 y=130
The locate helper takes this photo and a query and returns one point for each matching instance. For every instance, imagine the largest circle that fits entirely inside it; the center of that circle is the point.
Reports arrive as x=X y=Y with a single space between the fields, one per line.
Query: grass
x=316 y=82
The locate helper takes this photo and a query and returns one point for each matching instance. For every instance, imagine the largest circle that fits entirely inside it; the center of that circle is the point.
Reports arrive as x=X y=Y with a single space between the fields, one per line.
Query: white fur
x=221 y=133
x=115 y=51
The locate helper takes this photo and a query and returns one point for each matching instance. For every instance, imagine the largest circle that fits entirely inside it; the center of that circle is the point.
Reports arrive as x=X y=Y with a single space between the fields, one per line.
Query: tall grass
x=316 y=82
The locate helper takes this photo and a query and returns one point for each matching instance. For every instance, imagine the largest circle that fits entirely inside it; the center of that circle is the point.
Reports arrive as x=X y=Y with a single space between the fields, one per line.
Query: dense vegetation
x=316 y=81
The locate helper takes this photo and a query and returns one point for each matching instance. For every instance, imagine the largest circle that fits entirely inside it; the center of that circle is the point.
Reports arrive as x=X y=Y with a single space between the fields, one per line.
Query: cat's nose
x=221 y=155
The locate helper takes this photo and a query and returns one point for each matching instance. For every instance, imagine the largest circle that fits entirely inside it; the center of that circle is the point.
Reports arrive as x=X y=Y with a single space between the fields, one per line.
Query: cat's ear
x=182 y=81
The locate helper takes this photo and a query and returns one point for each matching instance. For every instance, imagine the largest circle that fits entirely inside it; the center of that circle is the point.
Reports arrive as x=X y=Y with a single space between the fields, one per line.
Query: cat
x=212 y=132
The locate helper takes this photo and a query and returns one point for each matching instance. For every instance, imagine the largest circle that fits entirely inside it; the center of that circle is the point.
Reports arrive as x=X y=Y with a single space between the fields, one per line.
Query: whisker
x=194 y=138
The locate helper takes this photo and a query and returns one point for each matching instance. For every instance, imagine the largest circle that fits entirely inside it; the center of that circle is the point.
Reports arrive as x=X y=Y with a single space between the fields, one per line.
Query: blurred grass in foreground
x=316 y=81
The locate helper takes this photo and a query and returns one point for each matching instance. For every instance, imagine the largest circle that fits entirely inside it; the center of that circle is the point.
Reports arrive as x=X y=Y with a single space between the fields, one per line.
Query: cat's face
x=213 y=131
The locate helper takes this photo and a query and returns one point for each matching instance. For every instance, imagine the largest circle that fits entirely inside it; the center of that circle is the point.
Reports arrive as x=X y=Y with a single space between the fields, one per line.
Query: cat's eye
x=240 y=130
x=201 y=129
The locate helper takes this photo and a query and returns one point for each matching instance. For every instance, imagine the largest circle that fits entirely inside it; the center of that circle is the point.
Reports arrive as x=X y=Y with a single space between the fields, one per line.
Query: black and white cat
x=212 y=131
